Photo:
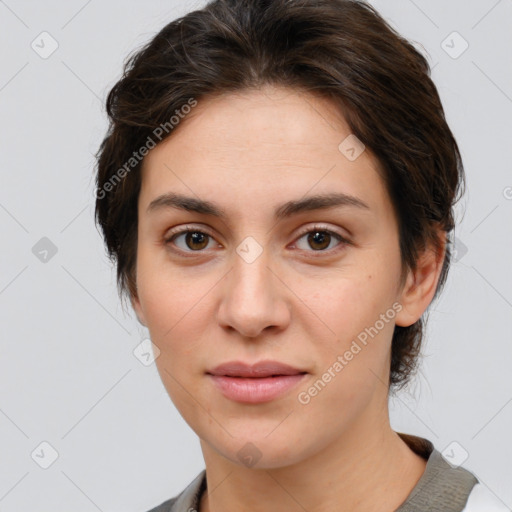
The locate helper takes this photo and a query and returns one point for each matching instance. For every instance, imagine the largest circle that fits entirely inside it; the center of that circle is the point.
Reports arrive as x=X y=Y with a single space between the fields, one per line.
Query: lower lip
x=255 y=390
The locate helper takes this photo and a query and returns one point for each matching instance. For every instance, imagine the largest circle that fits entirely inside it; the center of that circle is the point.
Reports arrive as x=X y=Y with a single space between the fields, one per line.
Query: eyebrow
x=285 y=210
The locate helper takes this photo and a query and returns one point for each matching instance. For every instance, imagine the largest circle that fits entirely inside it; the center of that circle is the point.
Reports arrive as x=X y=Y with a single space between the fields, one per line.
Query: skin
x=249 y=152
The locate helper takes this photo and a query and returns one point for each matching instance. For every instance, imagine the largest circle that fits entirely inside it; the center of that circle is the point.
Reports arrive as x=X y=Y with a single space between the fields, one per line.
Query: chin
x=261 y=452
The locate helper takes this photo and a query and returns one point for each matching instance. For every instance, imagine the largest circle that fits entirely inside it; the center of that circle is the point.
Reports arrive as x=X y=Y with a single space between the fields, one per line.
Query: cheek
x=175 y=309
x=171 y=297
x=344 y=305
x=354 y=363
x=358 y=312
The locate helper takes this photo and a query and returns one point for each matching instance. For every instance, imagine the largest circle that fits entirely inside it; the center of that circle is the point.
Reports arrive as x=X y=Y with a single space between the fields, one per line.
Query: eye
x=194 y=240
x=320 y=238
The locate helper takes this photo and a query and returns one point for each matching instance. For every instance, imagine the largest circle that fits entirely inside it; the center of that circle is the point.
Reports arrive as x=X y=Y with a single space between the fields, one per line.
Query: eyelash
x=191 y=229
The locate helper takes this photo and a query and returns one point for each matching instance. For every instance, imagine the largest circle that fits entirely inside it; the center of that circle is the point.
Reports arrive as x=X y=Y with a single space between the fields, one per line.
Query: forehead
x=269 y=115
x=254 y=146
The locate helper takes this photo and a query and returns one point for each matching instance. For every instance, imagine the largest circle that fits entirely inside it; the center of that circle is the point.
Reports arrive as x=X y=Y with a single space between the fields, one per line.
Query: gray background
x=68 y=374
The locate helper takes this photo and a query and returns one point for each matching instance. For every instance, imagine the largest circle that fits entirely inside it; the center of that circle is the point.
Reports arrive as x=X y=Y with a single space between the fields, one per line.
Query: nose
x=254 y=297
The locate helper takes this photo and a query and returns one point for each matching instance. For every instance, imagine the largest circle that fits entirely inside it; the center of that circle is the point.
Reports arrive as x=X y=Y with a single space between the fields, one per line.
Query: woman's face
x=269 y=281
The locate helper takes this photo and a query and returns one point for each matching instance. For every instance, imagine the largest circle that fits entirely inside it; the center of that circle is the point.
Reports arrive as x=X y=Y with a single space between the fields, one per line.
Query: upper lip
x=261 y=369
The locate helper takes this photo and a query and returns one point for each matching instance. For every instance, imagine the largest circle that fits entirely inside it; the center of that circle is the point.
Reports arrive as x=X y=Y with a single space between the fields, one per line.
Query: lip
x=257 y=383
x=265 y=368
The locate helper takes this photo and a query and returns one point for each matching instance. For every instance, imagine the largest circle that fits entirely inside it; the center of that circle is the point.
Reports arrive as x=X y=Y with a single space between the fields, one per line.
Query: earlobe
x=407 y=315
x=420 y=286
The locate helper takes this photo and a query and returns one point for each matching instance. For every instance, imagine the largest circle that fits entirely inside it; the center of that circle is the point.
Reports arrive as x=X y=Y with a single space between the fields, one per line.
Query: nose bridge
x=251 y=277
x=251 y=298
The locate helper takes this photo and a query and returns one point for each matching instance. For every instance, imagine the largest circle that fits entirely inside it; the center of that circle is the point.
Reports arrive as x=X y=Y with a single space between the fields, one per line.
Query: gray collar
x=441 y=487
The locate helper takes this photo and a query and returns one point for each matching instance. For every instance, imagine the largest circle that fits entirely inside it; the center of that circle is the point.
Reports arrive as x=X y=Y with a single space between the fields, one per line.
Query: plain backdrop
x=74 y=397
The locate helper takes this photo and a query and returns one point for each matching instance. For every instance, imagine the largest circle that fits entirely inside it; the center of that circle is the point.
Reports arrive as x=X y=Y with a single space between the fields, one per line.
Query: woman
x=276 y=188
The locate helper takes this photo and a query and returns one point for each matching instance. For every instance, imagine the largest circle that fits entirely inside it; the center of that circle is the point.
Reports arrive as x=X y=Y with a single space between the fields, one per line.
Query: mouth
x=252 y=384
x=261 y=369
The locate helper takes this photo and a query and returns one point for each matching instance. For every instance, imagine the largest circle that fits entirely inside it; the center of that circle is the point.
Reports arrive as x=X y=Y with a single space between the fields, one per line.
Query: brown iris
x=196 y=237
x=316 y=238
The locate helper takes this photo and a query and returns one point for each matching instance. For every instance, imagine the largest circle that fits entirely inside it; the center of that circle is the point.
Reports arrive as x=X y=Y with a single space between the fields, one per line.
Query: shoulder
x=482 y=500
x=186 y=500
x=166 y=506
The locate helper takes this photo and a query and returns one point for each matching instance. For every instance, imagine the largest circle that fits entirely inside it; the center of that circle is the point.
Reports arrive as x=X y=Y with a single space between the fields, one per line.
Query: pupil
x=319 y=237
x=195 y=238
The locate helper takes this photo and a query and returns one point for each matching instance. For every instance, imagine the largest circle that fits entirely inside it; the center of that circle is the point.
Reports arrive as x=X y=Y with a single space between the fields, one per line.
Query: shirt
x=441 y=487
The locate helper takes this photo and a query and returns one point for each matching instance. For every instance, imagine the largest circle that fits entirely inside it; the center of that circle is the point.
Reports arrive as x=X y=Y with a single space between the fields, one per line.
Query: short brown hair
x=340 y=49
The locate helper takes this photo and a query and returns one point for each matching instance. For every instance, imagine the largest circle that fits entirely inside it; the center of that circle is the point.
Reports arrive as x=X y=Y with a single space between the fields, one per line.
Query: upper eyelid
x=188 y=227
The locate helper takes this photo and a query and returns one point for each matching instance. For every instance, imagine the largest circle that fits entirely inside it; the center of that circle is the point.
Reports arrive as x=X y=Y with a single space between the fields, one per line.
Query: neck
x=366 y=469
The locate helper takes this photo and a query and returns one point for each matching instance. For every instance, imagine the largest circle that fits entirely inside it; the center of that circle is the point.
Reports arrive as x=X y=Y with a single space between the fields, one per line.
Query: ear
x=134 y=299
x=420 y=286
